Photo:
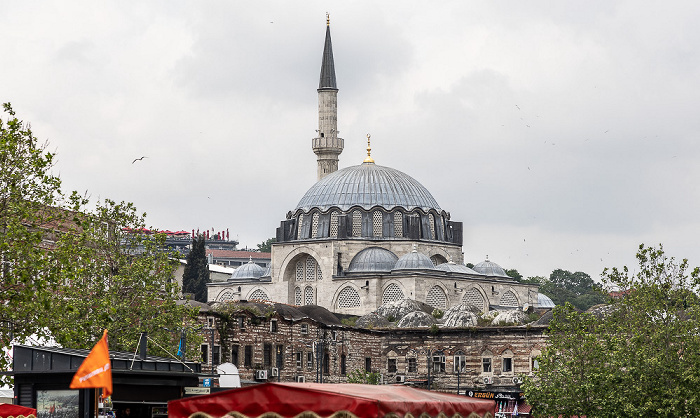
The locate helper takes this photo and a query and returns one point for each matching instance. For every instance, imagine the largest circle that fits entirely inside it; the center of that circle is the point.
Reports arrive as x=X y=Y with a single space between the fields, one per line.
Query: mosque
x=367 y=235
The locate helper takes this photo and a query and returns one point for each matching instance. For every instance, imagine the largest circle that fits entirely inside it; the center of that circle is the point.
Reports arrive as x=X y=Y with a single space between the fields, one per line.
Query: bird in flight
x=138 y=159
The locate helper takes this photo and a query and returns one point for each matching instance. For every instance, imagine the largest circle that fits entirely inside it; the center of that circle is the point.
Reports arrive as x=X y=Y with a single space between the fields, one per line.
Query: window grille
x=259 y=295
x=509 y=299
x=412 y=365
x=297 y=296
x=473 y=297
x=392 y=293
x=356 y=223
x=436 y=298
x=300 y=271
x=226 y=296
x=377 y=223
x=431 y=220
x=300 y=222
x=334 y=224
x=310 y=269
x=314 y=225
x=391 y=365
x=398 y=224
x=435 y=259
x=309 y=296
x=348 y=298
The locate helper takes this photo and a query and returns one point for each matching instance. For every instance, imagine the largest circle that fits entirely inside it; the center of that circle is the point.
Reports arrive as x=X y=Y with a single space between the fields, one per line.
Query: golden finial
x=369 y=150
x=328 y=19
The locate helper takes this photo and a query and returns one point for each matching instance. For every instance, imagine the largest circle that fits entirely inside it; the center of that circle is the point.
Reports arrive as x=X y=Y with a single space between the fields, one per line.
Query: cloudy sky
x=563 y=134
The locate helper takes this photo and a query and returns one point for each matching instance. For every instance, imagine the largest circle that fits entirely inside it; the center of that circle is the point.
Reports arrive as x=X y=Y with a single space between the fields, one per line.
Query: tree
x=514 y=274
x=577 y=288
x=266 y=246
x=196 y=275
x=364 y=377
x=639 y=356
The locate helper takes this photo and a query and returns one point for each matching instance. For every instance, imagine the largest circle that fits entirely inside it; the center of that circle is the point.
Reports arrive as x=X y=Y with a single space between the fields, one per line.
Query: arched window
x=314 y=225
x=436 y=297
x=300 y=221
x=431 y=218
x=310 y=269
x=348 y=298
x=473 y=297
x=392 y=293
x=226 y=296
x=299 y=273
x=509 y=299
x=259 y=294
x=297 y=296
x=398 y=224
x=334 y=224
x=356 y=223
x=507 y=362
x=377 y=223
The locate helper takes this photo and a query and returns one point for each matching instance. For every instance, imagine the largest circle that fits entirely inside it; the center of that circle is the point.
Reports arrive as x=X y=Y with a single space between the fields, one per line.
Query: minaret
x=327 y=146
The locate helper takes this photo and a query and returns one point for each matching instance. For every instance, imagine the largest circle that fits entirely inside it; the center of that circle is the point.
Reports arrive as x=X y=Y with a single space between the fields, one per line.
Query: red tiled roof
x=239 y=254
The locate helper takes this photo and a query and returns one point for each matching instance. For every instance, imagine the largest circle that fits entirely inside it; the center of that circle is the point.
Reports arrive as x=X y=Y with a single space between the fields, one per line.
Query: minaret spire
x=327 y=146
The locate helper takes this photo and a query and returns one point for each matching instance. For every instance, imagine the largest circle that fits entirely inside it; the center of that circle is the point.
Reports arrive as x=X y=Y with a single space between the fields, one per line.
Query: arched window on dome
x=258 y=294
x=436 y=297
x=398 y=224
x=309 y=296
x=377 y=218
x=509 y=299
x=348 y=298
x=474 y=298
x=437 y=259
x=300 y=221
x=314 y=225
x=431 y=219
x=356 y=223
x=392 y=293
x=334 y=224
x=297 y=296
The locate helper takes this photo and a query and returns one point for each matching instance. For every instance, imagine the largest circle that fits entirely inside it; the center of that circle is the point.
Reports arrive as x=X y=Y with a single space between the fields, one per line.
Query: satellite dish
x=228 y=375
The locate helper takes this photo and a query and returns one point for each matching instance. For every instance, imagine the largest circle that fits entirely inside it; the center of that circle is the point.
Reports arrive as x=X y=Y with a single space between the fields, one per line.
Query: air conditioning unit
x=400 y=378
x=275 y=372
x=488 y=380
x=261 y=375
x=517 y=380
x=300 y=379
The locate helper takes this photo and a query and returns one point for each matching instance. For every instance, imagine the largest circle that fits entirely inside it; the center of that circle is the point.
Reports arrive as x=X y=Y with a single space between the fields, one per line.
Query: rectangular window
x=310 y=360
x=343 y=365
x=486 y=364
x=304 y=328
x=205 y=353
x=216 y=355
x=248 y=356
x=210 y=322
x=412 y=365
x=368 y=364
x=438 y=363
x=391 y=365
x=460 y=364
x=535 y=364
x=299 y=359
x=267 y=355
x=326 y=364
x=273 y=326
x=279 y=356
x=507 y=365
x=241 y=323
x=234 y=355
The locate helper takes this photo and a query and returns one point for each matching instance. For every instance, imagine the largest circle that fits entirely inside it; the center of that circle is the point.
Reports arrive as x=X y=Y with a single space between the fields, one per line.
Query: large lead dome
x=367 y=185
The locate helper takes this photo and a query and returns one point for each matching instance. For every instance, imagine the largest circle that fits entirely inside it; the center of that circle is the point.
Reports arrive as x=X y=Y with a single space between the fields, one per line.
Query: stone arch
x=509 y=299
x=288 y=265
x=258 y=293
x=226 y=295
x=438 y=254
x=437 y=297
x=392 y=292
x=471 y=297
x=347 y=297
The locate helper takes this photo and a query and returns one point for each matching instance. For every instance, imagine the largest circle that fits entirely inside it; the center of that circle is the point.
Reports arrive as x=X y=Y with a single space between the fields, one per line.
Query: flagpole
x=96 y=392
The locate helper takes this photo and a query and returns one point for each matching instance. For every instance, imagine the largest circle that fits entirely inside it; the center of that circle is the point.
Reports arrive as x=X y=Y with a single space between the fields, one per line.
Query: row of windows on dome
x=377 y=223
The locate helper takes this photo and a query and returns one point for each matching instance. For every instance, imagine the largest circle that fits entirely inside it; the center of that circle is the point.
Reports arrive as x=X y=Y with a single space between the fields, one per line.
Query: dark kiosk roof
x=367 y=185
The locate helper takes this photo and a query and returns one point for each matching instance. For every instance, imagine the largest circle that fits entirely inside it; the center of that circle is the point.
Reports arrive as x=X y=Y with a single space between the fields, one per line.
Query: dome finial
x=328 y=19
x=369 y=151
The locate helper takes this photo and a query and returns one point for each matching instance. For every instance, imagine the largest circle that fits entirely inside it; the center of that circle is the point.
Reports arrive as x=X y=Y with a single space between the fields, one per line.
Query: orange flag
x=96 y=370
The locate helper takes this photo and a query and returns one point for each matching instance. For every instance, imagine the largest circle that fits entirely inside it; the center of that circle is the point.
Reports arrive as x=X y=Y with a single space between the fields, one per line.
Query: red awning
x=291 y=399
x=9 y=410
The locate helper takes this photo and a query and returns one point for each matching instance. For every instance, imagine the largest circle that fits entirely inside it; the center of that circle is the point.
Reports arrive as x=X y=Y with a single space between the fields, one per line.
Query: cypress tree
x=196 y=275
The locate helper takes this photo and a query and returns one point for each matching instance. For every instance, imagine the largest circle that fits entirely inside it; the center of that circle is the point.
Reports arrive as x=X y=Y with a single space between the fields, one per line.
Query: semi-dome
x=414 y=261
x=373 y=259
x=452 y=267
x=544 y=301
x=367 y=185
x=249 y=270
x=489 y=268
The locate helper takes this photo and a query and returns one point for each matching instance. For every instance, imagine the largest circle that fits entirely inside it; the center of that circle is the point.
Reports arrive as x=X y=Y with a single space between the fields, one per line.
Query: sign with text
x=197 y=391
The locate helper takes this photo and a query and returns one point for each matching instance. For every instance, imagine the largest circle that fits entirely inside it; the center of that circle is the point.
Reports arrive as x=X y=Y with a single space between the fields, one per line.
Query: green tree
x=364 y=377
x=514 y=274
x=577 y=288
x=639 y=356
x=266 y=246
x=196 y=275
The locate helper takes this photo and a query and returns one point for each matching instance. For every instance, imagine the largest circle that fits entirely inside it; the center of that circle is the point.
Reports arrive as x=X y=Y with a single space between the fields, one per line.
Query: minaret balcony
x=328 y=144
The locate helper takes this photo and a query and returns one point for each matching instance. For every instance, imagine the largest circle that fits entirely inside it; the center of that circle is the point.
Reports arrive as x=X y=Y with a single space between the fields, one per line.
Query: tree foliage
x=577 y=288
x=266 y=246
x=364 y=377
x=68 y=271
x=196 y=275
x=638 y=356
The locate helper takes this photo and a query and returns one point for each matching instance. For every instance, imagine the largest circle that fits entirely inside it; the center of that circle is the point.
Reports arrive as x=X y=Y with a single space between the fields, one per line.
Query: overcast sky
x=562 y=134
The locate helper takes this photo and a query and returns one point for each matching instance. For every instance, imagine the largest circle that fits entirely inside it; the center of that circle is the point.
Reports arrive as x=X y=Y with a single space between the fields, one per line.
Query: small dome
x=544 y=301
x=460 y=316
x=511 y=317
x=489 y=268
x=414 y=261
x=416 y=319
x=400 y=308
x=453 y=267
x=372 y=320
x=249 y=270
x=367 y=185
x=373 y=259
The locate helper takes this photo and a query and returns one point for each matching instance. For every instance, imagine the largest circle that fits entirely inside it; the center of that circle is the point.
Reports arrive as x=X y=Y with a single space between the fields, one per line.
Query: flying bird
x=138 y=159
x=517 y=107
